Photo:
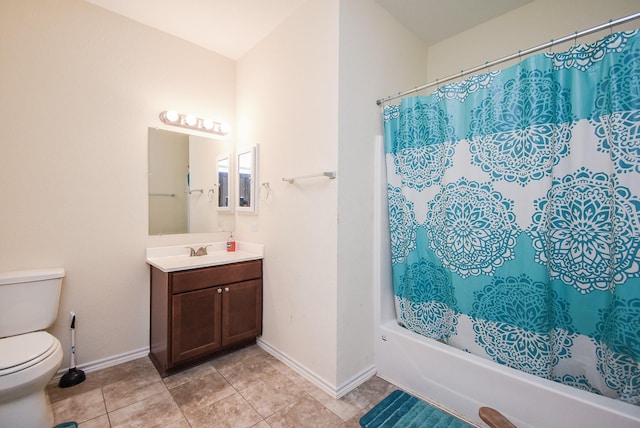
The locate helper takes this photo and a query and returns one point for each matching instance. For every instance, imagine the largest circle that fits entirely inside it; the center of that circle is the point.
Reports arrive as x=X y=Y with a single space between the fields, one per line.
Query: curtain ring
x=551 y=47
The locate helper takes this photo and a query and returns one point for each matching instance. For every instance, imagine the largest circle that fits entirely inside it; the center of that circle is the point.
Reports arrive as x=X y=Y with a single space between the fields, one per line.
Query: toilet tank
x=29 y=300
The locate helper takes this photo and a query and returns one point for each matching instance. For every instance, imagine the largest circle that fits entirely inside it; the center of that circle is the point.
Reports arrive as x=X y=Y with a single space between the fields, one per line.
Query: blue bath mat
x=401 y=410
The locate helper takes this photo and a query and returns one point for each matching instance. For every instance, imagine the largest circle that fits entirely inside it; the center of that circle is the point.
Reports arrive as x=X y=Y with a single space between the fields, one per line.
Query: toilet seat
x=25 y=350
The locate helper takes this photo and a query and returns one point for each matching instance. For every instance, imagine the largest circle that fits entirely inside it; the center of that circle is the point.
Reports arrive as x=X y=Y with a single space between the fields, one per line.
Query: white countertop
x=176 y=258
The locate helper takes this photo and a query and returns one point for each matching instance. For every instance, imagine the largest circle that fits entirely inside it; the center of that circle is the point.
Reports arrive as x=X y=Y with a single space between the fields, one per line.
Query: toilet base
x=23 y=399
x=29 y=411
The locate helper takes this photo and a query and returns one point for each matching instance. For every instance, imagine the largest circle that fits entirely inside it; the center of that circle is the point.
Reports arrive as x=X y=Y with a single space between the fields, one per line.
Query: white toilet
x=29 y=356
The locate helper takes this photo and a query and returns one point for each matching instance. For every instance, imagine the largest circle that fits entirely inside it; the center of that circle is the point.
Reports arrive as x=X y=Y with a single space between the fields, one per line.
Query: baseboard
x=336 y=392
x=356 y=381
x=107 y=362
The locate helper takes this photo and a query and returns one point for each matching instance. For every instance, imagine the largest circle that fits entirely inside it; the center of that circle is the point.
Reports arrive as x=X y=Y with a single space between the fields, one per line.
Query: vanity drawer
x=217 y=275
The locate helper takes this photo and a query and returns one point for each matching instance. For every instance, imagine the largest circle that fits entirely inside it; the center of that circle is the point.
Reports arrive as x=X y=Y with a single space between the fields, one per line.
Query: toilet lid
x=24 y=350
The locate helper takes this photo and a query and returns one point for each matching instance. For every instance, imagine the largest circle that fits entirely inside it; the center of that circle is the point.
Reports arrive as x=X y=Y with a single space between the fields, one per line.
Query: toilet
x=29 y=356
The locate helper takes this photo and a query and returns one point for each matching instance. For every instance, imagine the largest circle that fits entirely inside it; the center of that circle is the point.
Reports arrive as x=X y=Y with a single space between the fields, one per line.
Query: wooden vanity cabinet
x=198 y=312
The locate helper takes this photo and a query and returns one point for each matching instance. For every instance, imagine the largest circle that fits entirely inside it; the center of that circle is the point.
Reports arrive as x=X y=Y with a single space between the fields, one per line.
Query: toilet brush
x=74 y=376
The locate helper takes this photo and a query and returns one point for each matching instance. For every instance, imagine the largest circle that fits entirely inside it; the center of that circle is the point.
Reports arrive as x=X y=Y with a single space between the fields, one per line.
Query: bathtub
x=463 y=382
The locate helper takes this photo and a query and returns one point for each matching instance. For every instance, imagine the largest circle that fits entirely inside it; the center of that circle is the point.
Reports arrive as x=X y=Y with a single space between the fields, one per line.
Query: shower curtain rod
x=519 y=54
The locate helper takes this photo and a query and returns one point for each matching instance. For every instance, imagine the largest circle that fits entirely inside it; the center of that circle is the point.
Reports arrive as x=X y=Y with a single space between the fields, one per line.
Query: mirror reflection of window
x=245 y=179
x=223 y=182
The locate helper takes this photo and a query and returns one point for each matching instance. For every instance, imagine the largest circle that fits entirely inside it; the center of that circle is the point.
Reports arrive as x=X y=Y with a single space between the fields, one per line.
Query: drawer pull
x=226 y=289
x=219 y=290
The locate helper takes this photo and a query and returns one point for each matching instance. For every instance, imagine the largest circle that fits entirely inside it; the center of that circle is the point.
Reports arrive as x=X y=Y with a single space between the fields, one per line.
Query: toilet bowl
x=29 y=356
x=28 y=362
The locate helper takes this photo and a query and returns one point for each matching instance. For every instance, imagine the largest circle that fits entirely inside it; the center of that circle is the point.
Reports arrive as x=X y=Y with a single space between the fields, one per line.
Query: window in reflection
x=224 y=168
x=246 y=180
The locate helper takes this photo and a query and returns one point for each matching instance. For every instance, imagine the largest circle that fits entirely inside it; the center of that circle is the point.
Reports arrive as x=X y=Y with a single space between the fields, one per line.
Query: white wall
x=531 y=25
x=307 y=96
x=377 y=56
x=79 y=88
x=203 y=206
x=288 y=104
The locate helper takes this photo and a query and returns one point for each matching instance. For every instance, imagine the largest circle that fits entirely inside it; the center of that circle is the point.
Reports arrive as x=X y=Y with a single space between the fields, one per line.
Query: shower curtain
x=514 y=204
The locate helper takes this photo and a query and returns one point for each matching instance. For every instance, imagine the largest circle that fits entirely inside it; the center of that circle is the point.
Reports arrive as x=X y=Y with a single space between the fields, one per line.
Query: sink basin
x=176 y=258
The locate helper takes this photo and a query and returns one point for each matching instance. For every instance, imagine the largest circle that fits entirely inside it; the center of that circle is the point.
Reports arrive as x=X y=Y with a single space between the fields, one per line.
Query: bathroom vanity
x=203 y=305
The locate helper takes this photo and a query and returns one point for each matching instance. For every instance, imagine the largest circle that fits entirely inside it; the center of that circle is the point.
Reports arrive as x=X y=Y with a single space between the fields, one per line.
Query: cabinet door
x=195 y=323
x=241 y=311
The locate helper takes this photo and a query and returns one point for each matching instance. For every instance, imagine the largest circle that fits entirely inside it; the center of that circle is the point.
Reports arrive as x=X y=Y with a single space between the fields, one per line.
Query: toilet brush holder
x=74 y=376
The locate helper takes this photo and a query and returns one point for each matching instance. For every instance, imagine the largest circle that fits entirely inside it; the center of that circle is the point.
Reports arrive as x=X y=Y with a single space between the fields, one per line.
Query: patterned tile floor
x=247 y=388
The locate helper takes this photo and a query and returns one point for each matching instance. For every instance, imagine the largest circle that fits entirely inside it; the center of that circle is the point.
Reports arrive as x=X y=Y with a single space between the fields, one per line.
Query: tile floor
x=247 y=388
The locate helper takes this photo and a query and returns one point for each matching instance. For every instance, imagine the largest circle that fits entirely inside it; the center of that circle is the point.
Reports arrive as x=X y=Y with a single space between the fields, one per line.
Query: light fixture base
x=173 y=118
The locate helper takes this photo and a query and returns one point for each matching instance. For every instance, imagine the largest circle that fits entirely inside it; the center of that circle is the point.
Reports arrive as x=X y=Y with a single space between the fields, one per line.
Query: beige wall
x=288 y=105
x=531 y=25
x=318 y=233
x=307 y=95
x=79 y=87
x=203 y=206
x=377 y=55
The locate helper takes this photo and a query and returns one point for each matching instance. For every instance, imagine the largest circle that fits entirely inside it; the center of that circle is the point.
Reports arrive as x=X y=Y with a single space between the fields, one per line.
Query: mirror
x=246 y=179
x=223 y=166
x=184 y=187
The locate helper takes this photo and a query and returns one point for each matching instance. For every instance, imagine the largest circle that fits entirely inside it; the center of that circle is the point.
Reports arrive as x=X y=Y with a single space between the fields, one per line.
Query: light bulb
x=191 y=120
x=207 y=124
x=171 y=116
x=223 y=128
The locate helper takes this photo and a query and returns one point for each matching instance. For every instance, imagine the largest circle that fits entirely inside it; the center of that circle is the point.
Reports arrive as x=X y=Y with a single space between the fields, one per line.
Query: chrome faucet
x=202 y=251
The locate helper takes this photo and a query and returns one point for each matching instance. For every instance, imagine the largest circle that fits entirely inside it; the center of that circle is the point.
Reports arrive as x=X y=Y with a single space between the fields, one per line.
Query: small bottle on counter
x=231 y=244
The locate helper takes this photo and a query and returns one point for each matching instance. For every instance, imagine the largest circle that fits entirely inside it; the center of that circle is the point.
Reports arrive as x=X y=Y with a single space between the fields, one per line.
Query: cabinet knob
x=226 y=289
x=219 y=290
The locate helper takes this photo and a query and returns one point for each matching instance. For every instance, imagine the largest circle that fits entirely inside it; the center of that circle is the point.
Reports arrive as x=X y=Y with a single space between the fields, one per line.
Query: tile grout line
x=105 y=407
x=263 y=419
x=263 y=375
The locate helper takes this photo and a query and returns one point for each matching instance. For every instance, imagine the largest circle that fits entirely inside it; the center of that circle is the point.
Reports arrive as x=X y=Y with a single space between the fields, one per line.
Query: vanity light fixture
x=190 y=121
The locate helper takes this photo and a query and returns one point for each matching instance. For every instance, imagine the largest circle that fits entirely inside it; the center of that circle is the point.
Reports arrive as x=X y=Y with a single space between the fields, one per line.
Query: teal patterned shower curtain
x=514 y=213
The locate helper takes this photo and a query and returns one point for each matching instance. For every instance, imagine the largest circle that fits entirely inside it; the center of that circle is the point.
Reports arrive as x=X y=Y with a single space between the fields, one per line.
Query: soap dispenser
x=231 y=243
